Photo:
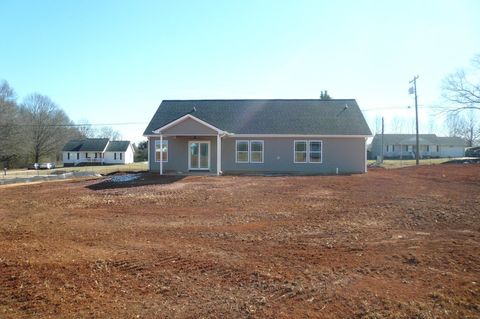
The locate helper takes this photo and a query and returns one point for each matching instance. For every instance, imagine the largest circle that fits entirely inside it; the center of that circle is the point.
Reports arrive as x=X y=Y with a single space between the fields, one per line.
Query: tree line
x=36 y=129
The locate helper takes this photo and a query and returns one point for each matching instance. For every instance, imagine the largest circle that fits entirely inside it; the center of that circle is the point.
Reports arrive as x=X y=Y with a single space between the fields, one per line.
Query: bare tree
x=465 y=126
x=397 y=125
x=10 y=134
x=463 y=88
x=86 y=129
x=7 y=93
x=109 y=132
x=47 y=126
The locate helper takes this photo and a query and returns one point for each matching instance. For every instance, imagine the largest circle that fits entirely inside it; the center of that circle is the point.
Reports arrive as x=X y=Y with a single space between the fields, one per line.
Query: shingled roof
x=118 y=146
x=86 y=145
x=424 y=139
x=311 y=117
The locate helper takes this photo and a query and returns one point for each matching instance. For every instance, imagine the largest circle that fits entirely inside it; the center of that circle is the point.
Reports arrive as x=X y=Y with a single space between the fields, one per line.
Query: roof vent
x=193 y=110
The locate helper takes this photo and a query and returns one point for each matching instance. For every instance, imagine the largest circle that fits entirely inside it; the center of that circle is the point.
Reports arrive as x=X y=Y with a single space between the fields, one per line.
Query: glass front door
x=198 y=155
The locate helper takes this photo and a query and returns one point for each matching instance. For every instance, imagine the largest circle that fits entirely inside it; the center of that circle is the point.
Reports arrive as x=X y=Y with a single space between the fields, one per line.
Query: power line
x=387 y=108
x=76 y=125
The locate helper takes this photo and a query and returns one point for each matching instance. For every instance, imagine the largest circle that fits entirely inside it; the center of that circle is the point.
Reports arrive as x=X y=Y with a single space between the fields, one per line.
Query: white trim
x=183 y=118
x=155 y=149
x=219 y=154
x=366 y=162
x=148 y=153
x=296 y=135
x=189 y=156
x=307 y=152
x=248 y=152
x=161 y=153
x=232 y=135
x=295 y=151
x=310 y=151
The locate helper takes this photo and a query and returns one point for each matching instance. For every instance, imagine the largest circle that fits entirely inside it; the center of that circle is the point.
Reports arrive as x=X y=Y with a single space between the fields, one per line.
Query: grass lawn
x=396 y=163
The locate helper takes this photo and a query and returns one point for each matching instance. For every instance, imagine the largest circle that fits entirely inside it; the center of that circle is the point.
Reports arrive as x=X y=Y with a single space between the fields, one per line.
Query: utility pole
x=417 y=148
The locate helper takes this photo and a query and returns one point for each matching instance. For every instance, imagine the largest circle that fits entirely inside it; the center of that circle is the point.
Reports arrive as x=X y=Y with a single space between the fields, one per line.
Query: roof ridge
x=192 y=100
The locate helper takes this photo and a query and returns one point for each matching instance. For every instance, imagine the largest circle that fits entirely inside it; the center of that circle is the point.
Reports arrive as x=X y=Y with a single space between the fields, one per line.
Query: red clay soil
x=401 y=243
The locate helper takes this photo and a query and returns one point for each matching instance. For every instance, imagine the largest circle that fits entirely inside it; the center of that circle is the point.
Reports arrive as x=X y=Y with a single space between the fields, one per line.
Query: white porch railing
x=89 y=160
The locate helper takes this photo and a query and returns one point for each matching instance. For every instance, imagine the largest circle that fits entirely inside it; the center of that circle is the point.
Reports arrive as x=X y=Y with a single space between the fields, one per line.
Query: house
x=97 y=151
x=403 y=146
x=258 y=136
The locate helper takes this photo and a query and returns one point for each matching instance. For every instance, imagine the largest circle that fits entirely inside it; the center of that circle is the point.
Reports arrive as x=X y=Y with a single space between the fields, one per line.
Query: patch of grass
x=397 y=163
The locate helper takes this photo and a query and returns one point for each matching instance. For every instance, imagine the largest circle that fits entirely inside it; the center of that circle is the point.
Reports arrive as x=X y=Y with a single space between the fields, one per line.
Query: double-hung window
x=159 y=149
x=256 y=151
x=249 y=151
x=307 y=152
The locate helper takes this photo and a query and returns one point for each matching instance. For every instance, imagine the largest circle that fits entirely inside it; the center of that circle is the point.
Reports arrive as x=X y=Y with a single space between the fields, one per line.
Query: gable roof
x=307 y=117
x=424 y=139
x=451 y=141
x=118 y=146
x=86 y=145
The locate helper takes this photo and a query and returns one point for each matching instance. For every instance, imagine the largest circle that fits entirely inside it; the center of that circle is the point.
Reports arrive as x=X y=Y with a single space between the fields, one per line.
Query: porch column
x=148 y=154
x=219 y=154
x=161 y=154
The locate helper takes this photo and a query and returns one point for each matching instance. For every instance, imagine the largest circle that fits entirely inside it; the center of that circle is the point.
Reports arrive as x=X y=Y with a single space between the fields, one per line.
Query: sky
x=115 y=61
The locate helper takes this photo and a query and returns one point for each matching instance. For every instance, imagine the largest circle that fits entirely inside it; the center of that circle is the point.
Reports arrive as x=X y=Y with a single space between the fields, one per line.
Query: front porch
x=186 y=146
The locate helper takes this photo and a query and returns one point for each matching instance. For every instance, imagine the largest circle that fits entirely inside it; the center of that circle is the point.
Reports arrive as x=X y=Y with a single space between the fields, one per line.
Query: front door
x=198 y=155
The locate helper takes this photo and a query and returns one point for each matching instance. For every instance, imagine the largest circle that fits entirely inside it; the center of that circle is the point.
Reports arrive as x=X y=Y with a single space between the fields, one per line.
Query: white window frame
x=307 y=151
x=190 y=168
x=168 y=153
x=295 y=151
x=250 y=151
x=236 y=151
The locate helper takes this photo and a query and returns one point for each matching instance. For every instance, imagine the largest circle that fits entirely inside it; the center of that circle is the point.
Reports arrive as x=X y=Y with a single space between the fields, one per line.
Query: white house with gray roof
x=97 y=151
x=258 y=136
x=403 y=146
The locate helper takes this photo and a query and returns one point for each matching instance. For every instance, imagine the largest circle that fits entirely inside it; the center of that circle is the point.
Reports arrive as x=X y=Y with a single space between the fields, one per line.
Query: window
x=409 y=148
x=86 y=155
x=256 y=151
x=95 y=155
x=307 y=152
x=315 y=152
x=249 y=151
x=300 y=151
x=68 y=155
x=438 y=148
x=78 y=156
x=241 y=152
x=120 y=156
x=114 y=156
x=428 y=148
x=161 y=149
x=387 y=147
x=393 y=148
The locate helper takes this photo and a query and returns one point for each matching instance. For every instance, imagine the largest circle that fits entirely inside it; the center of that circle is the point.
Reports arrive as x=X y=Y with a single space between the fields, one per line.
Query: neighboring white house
x=403 y=146
x=97 y=151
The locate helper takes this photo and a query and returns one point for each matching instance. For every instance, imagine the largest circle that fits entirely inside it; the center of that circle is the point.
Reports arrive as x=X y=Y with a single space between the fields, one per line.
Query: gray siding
x=178 y=153
x=189 y=127
x=346 y=154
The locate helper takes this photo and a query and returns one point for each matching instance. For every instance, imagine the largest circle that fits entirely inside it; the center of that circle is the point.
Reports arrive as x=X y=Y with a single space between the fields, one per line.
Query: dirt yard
x=401 y=243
